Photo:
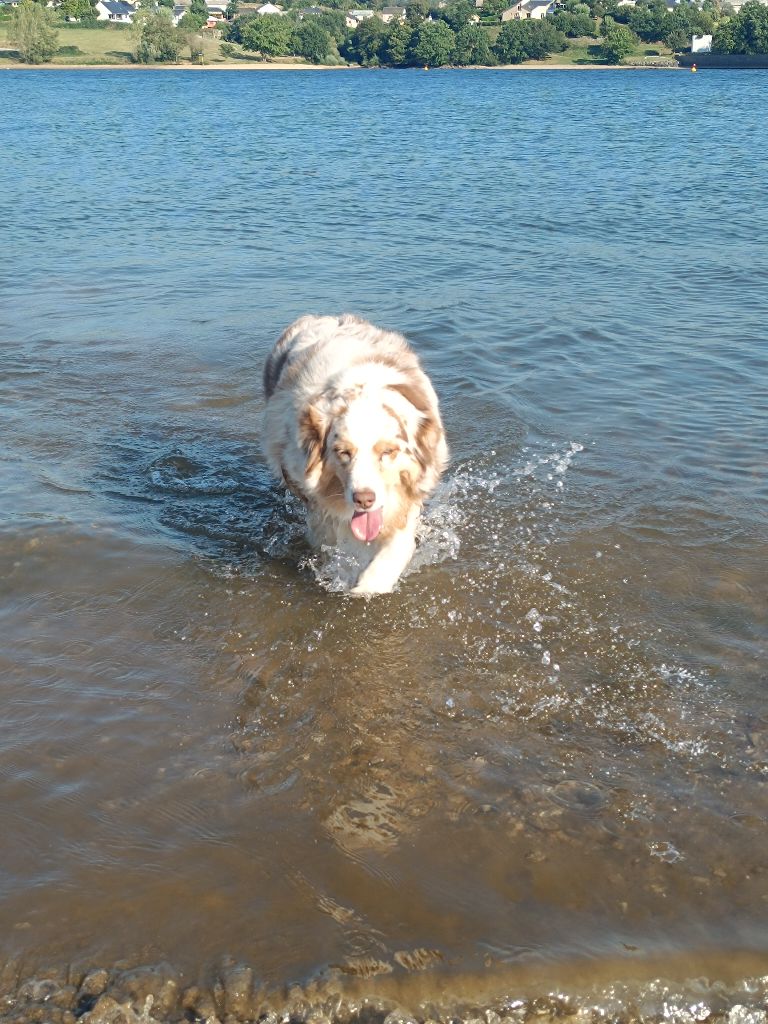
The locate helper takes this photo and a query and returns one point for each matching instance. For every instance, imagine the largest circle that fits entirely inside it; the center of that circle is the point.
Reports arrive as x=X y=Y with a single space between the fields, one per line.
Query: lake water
x=533 y=782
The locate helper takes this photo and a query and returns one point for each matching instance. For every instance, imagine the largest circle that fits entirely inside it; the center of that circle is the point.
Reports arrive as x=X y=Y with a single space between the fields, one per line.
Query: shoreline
x=266 y=66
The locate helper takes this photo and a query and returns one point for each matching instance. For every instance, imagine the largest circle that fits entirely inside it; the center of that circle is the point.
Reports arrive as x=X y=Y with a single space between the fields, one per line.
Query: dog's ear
x=428 y=436
x=313 y=433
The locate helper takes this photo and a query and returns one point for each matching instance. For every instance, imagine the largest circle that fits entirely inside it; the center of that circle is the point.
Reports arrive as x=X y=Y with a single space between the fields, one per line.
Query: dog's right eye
x=344 y=454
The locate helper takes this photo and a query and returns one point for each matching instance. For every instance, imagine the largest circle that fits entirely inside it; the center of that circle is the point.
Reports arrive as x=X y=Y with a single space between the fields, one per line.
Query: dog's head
x=373 y=453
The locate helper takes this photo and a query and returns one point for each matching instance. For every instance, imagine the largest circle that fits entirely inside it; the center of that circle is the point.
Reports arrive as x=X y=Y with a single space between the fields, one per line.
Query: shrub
x=618 y=42
x=31 y=31
x=157 y=38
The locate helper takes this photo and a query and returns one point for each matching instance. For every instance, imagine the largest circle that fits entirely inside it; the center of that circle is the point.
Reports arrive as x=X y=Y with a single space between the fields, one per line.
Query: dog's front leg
x=387 y=565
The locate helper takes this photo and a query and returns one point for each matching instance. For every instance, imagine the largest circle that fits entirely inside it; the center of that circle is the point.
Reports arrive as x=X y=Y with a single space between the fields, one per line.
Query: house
x=528 y=8
x=536 y=9
x=269 y=8
x=353 y=18
x=118 y=11
x=392 y=14
x=309 y=11
x=701 y=44
x=627 y=3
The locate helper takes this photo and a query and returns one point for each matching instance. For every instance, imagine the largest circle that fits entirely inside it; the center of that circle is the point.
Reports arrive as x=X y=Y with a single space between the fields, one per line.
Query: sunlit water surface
x=541 y=766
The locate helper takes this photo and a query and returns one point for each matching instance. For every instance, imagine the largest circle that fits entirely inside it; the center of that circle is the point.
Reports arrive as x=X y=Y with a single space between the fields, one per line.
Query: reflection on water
x=532 y=782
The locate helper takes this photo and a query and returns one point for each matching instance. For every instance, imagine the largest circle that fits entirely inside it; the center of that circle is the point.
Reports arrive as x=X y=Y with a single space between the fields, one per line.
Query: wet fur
x=331 y=383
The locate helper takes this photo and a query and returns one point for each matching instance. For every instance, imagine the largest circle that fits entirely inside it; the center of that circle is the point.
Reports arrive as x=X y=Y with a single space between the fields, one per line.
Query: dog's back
x=318 y=348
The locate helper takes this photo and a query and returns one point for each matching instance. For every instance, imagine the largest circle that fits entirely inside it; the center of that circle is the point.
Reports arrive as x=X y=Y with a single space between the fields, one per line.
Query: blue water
x=193 y=720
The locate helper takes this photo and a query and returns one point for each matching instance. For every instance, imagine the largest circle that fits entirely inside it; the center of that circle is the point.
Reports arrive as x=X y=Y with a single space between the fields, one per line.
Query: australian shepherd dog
x=352 y=427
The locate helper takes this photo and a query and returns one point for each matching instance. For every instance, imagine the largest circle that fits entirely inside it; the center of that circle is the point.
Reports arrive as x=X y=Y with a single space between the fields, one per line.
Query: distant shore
x=267 y=66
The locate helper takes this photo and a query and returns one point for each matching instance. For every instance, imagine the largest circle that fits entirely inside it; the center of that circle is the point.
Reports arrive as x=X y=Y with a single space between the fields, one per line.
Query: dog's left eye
x=388 y=452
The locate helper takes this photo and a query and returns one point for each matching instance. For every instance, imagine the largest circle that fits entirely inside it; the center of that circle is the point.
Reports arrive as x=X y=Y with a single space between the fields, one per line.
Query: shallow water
x=541 y=766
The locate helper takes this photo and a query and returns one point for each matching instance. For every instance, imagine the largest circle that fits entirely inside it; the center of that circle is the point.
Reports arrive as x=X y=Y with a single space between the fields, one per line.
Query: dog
x=352 y=427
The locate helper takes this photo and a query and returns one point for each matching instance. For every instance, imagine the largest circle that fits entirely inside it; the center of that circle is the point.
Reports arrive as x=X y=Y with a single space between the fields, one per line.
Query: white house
x=119 y=11
x=269 y=9
x=353 y=18
x=701 y=44
x=392 y=14
x=536 y=9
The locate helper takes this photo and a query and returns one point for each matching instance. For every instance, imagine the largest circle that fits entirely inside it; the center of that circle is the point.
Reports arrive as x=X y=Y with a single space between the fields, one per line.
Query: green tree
x=473 y=47
x=190 y=22
x=618 y=42
x=416 y=11
x=647 y=23
x=433 y=44
x=491 y=10
x=233 y=32
x=157 y=40
x=199 y=8
x=31 y=31
x=574 y=24
x=310 y=40
x=267 y=34
x=78 y=10
x=750 y=28
x=527 y=40
x=232 y=8
x=682 y=22
x=511 y=43
x=457 y=14
x=398 y=43
x=365 y=45
x=724 y=37
x=334 y=23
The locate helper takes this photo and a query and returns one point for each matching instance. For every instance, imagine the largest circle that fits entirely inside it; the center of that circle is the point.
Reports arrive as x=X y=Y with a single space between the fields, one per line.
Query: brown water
x=535 y=779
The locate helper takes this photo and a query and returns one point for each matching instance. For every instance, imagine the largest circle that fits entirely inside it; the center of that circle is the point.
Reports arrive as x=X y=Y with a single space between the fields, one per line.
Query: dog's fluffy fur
x=352 y=427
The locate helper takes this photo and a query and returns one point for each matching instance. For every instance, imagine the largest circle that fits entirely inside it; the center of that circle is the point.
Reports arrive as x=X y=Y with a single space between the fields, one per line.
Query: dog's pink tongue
x=366 y=525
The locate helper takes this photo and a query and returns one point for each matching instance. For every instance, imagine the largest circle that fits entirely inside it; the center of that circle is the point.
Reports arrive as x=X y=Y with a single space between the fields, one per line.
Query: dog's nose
x=364 y=499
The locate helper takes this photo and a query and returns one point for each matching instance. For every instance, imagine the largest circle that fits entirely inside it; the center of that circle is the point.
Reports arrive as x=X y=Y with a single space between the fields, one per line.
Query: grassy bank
x=113 y=44
x=105 y=44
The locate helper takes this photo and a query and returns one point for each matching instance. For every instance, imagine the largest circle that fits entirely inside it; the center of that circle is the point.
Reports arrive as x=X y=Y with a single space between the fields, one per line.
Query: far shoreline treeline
x=424 y=33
